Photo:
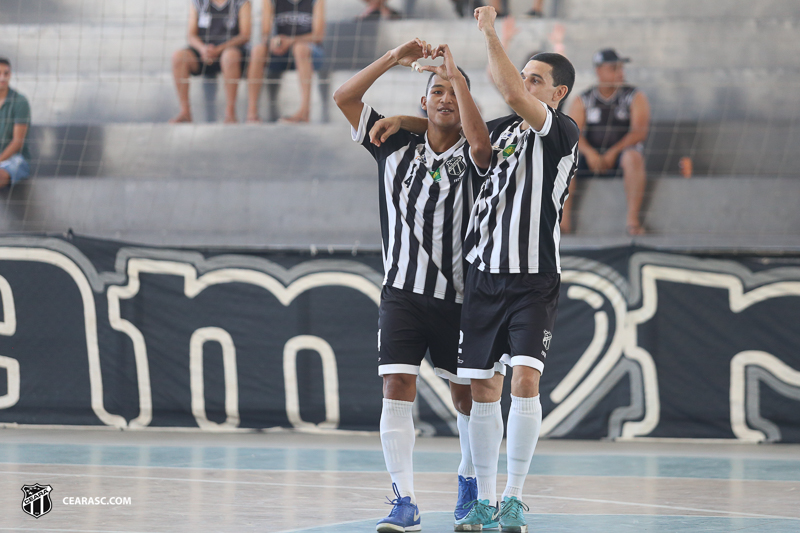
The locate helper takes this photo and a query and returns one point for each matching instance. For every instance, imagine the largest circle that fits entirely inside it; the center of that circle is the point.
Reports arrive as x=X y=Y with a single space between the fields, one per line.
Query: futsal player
x=513 y=281
x=425 y=184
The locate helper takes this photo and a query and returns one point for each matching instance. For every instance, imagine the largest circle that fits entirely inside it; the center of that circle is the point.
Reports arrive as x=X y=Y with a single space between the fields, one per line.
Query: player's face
x=5 y=76
x=441 y=104
x=611 y=73
x=538 y=79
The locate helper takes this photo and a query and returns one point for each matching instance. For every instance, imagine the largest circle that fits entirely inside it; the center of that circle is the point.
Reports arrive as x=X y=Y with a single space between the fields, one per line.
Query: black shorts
x=583 y=171
x=211 y=71
x=506 y=319
x=410 y=324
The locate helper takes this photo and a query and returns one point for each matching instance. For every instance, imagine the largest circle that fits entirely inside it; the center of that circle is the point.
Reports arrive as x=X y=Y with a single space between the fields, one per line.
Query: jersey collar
x=431 y=156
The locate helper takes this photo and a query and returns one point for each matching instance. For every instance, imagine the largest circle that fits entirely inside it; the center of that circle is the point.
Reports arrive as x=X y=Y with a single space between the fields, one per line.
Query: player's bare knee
x=525 y=381
x=400 y=387
x=462 y=398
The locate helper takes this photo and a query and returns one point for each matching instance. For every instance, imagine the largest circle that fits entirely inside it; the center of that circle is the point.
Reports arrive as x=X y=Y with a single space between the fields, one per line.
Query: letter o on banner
x=197 y=380
x=330 y=378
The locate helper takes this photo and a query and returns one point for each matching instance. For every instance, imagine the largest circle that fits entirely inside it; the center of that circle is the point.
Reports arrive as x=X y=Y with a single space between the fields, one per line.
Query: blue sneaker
x=404 y=516
x=467 y=494
x=512 y=518
x=482 y=516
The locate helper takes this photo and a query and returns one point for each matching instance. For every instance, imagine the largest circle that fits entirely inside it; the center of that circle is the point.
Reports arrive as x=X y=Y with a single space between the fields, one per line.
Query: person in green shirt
x=15 y=119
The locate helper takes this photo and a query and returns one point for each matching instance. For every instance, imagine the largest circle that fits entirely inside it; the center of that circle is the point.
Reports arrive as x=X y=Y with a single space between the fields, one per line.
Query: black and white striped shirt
x=514 y=224
x=425 y=199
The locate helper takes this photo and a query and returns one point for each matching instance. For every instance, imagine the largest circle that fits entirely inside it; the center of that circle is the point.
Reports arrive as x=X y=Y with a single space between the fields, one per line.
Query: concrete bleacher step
x=685 y=9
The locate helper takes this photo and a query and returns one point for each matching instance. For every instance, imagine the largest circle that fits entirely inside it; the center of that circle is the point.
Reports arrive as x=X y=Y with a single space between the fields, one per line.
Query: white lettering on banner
x=8 y=327
x=59 y=260
x=330 y=379
x=197 y=381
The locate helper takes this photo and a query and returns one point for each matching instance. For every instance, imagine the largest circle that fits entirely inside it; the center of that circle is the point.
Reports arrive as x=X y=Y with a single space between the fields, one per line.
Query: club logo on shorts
x=546 y=339
x=36 y=501
x=456 y=166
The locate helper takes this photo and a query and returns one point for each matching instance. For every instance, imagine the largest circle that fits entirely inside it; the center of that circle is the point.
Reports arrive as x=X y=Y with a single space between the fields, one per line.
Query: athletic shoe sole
x=391 y=528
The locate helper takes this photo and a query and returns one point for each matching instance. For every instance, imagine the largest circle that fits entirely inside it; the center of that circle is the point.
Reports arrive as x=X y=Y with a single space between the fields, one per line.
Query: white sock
x=485 y=436
x=524 y=423
x=466 y=468
x=397 y=439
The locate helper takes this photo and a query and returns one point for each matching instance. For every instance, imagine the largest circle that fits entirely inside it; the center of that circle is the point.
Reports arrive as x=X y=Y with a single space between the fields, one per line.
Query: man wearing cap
x=614 y=119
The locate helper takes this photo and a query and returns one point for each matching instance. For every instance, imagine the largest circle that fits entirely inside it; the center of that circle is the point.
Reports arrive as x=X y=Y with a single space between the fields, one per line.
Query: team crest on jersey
x=456 y=166
x=509 y=150
x=36 y=501
x=546 y=339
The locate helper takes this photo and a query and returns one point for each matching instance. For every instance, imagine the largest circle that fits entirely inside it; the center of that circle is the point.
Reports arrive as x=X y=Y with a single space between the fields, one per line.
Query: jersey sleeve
x=563 y=133
x=361 y=135
x=548 y=122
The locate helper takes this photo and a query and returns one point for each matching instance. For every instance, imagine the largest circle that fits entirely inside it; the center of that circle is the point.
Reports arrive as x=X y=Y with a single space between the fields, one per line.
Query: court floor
x=290 y=482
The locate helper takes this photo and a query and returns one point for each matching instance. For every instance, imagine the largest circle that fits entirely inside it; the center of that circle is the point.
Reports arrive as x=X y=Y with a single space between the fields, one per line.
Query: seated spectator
x=15 y=117
x=614 y=119
x=219 y=40
x=299 y=28
x=378 y=8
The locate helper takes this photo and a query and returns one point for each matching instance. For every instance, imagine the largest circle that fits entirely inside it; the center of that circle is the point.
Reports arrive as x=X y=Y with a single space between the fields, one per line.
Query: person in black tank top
x=291 y=33
x=614 y=119
x=219 y=37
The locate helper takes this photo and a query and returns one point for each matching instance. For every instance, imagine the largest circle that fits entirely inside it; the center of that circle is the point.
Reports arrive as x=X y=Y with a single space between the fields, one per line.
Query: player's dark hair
x=461 y=70
x=4 y=61
x=563 y=71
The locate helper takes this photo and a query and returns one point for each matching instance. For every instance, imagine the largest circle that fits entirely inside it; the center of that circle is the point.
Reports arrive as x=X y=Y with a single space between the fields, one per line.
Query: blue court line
x=569 y=523
x=333 y=460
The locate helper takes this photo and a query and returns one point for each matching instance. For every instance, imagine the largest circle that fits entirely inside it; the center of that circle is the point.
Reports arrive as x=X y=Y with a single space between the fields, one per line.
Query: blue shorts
x=285 y=62
x=17 y=167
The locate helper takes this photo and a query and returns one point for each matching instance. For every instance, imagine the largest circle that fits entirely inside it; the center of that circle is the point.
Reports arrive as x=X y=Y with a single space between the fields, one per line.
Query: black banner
x=647 y=343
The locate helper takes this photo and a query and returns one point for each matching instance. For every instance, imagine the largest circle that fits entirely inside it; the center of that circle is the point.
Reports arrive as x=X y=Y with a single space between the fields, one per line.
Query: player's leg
x=634 y=176
x=530 y=334
x=231 y=63
x=255 y=80
x=443 y=323
x=185 y=62
x=305 y=74
x=401 y=348
x=484 y=341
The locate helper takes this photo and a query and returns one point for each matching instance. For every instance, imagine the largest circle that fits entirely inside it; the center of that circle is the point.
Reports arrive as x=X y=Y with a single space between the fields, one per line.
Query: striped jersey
x=425 y=200
x=217 y=24
x=514 y=224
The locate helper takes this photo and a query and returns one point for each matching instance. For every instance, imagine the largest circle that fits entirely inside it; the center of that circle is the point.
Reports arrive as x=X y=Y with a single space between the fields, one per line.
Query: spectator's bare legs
x=305 y=72
x=5 y=178
x=184 y=62
x=634 y=177
x=255 y=79
x=231 y=63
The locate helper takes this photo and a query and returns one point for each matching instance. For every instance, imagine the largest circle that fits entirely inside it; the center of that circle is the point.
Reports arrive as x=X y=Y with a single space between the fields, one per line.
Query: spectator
x=15 y=117
x=299 y=28
x=378 y=8
x=614 y=119
x=465 y=7
x=219 y=40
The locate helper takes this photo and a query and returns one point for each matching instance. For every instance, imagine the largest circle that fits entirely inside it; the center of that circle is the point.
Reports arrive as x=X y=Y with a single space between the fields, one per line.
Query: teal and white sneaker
x=482 y=516
x=512 y=517
x=403 y=517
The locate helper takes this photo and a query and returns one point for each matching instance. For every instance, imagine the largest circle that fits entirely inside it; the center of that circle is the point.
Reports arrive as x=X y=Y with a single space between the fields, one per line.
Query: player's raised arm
x=474 y=127
x=506 y=76
x=349 y=96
